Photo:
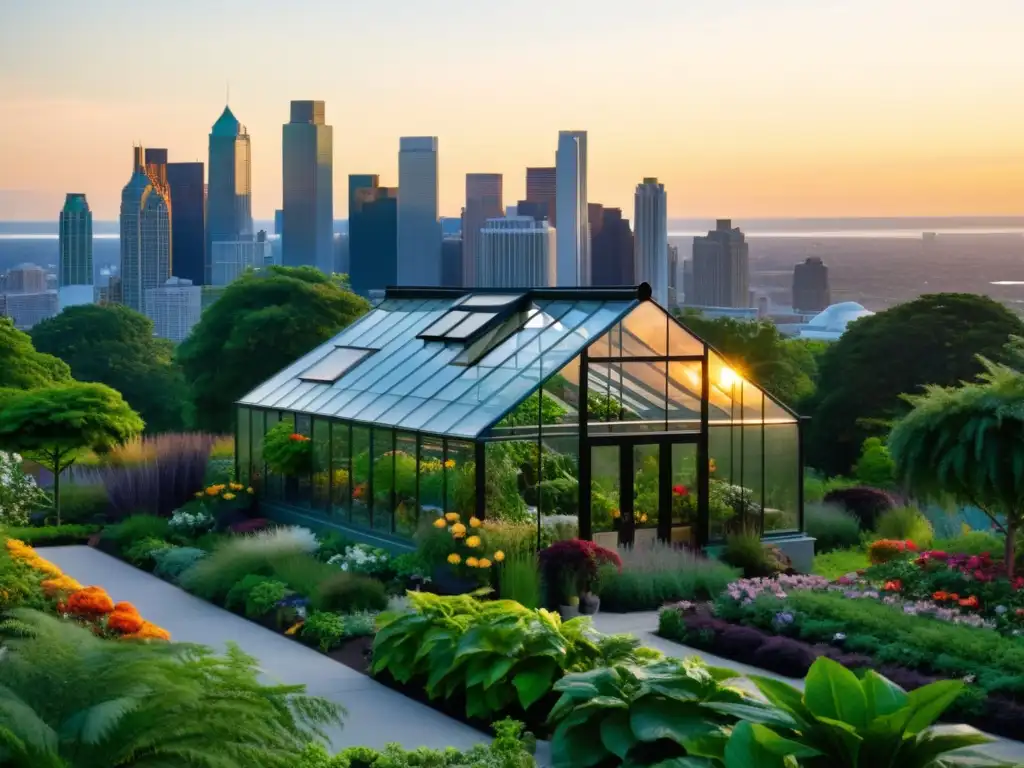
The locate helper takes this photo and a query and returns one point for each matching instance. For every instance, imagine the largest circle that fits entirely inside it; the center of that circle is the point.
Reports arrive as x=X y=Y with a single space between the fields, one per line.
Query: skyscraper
x=419 y=230
x=484 y=201
x=174 y=307
x=308 y=173
x=650 y=244
x=188 y=221
x=571 y=209
x=721 y=268
x=25 y=278
x=156 y=168
x=229 y=193
x=540 y=191
x=612 y=250
x=145 y=237
x=810 y=286
x=516 y=252
x=675 y=289
x=75 y=242
x=451 y=261
x=372 y=234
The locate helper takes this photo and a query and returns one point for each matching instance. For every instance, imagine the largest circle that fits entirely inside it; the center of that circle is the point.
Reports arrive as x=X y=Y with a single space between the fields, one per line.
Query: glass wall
x=460 y=477
x=361 y=492
x=605 y=502
x=298 y=489
x=258 y=421
x=685 y=494
x=243 y=441
x=274 y=483
x=382 y=484
x=405 y=484
x=432 y=478
x=321 y=496
x=341 y=472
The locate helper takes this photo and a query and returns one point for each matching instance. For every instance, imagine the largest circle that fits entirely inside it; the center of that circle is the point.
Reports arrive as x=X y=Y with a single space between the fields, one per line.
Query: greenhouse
x=592 y=408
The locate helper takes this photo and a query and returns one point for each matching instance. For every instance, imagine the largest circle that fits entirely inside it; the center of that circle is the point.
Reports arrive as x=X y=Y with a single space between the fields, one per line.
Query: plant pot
x=590 y=604
x=568 y=611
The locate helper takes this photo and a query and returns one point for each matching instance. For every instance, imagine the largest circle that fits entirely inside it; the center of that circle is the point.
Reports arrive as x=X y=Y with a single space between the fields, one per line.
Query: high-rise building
x=541 y=193
x=675 y=291
x=611 y=244
x=145 y=237
x=419 y=229
x=810 y=286
x=484 y=200
x=229 y=260
x=451 y=261
x=27 y=309
x=174 y=307
x=188 y=220
x=156 y=168
x=229 y=191
x=75 y=267
x=372 y=234
x=308 y=168
x=571 y=210
x=279 y=222
x=517 y=252
x=721 y=268
x=650 y=241
x=25 y=278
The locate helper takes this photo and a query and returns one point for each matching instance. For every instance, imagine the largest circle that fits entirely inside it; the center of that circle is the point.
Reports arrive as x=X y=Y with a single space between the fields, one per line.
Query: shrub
x=831 y=526
x=364 y=559
x=302 y=573
x=19 y=493
x=190 y=524
x=784 y=656
x=81 y=503
x=740 y=643
x=326 y=630
x=136 y=528
x=52 y=535
x=906 y=523
x=840 y=562
x=360 y=623
x=238 y=595
x=141 y=552
x=746 y=552
x=348 y=593
x=264 y=597
x=570 y=567
x=655 y=575
x=972 y=543
x=286 y=451
x=887 y=550
x=519 y=580
x=864 y=503
x=171 y=563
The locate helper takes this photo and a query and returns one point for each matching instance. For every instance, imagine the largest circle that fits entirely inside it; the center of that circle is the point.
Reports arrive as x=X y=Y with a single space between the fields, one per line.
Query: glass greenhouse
x=589 y=407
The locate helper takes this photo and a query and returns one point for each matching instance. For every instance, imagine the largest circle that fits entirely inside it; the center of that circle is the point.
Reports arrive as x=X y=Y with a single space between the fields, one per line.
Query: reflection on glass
x=274 y=483
x=321 y=463
x=460 y=478
x=685 y=494
x=361 y=498
x=782 y=478
x=431 y=478
x=406 y=511
x=646 y=492
x=341 y=486
x=605 y=502
x=382 y=483
x=504 y=462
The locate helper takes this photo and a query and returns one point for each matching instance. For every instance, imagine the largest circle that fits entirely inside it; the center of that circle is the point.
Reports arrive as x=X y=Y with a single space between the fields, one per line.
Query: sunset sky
x=743 y=108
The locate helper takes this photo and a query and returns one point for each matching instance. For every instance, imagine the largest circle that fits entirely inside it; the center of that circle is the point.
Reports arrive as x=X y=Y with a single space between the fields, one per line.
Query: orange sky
x=743 y=108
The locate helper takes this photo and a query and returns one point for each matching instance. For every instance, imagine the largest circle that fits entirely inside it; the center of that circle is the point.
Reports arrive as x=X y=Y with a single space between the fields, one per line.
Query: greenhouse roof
x=453 y=362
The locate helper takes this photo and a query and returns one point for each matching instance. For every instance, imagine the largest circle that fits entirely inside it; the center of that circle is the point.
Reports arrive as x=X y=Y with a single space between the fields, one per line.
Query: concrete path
x=376 y=714
x=642 y=624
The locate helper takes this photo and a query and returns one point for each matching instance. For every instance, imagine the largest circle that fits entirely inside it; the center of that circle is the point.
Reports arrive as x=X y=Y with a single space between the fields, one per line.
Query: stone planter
x=590 y=604
x=568 y=611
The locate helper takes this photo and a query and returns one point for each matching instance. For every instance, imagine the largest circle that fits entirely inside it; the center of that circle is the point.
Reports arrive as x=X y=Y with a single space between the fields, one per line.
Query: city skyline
x=820 y=110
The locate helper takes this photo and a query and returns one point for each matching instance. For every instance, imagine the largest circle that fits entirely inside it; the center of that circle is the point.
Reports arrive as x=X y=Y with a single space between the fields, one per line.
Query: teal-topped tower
x=229 y=187
x=75 y=266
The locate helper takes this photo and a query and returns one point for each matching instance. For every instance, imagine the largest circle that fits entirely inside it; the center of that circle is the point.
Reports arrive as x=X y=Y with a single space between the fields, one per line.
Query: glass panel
x=330 y=368
x=382 y=484
x=733 y=505
x=782 y=477
x=243 y=450
x=559 y=492
x=504 y=463
x=273 y=486
x=303 y=403
x=489 y=300
x=684 y=396
x=406 y=511
x=460 y=478
x=301 y=485
x=376 y=408
x=605 y=502
x=259 y=429
x=724 y=385
x=645 y=331
x=448 y=321
x=361 y=475
x=628 y=392
x=321 y=464
x=360 y=327
x=646 y=485
x=776 y=414
x=412 y=360
x=469 y=326
x=431 y=478
x=285 y=390
x=681 y=341
x=685 y=494
x=340 y=471
x=430 y=368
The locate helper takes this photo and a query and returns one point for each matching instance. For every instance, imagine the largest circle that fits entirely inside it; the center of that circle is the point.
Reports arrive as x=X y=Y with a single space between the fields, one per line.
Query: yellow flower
x=449 y=464
x=483 y=562
x=199 y=494
x=228 y=496
x=643 y=518
x=235 y=486
x=439 y=523
x=212 y=491
x=454 y=559
x=294 y=628
x=474 y=522
x=249 y=489
x=458 y=530
x=712 y=467
x=473 y=541
x=616 y=514
x=472 y=562
x=499 y=556
x=452 y=517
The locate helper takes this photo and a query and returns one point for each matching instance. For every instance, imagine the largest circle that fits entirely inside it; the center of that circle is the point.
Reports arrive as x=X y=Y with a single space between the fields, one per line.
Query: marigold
x=148 y=632
x=125 y=621
x=60 y=584
x=472 y=562
x=228 y=496
x=235 y=486
x=483 y=562
x=940 y=596
x=454 y=558
x=475 y=522
x=473 y=541
x=616 y=514
x=294 y=628
x=458 y=530
x=449 y=464
x=90 y=601
x=212 y=491
x=643 y=517
x=439 y=523
x=499 y=556
x=452 y=517
x=969 y=602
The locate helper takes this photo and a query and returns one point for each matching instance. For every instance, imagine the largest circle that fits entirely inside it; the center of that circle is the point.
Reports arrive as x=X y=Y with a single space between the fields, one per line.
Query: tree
x=52 y=425
x=21 y=366
x=967 y=443
x=263 y=322
x=875 y=467
x=73 y=699
x=934 y=339
x=783 y=367
x=115 y=345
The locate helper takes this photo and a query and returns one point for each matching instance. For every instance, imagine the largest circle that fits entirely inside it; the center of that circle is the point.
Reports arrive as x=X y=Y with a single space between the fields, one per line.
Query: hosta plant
x=659 y=715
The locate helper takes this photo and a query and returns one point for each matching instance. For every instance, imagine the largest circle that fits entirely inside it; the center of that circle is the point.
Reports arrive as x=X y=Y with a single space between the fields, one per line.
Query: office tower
x=571 y=210
x=540 y=193
x=340 y=246
x=517 y=252
x=372 y=234
x=721 y=268
x=484 y=201
x=27 y=309
x=611 y=245
x=188 y=220
x=279 y=222
x=229 y=191
x=145 y=237
x=174 y=308
x=229 y=260
x=451 y=261
x=675 y=292
x=650 y=243
x=156 y=168
x=539 y=211
x=810 y=286
x=308 y=157
x=75 y=267
x=25 y=278
x=419 y=230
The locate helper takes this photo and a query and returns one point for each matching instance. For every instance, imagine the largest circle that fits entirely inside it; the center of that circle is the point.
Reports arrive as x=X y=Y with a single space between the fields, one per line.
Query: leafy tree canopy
x=934 y=339
x=786 y=368
x=114 y=345
x=875 y=467
x=21 y=366
x=262 y=322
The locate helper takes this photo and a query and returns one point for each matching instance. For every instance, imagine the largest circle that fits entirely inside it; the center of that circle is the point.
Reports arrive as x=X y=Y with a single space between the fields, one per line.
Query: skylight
x=330 y=368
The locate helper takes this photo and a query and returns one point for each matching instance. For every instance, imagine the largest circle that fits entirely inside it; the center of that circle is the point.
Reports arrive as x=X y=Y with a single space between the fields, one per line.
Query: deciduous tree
x=21 y=366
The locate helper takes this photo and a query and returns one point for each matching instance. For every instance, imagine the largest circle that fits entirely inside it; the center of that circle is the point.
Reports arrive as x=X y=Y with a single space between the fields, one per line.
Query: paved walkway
x=642 y=625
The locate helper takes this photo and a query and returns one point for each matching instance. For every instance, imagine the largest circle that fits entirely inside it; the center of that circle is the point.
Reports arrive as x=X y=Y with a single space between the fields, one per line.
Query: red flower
x=969 y=602
x=298 y=438
x=893 y=586
x=680 y=490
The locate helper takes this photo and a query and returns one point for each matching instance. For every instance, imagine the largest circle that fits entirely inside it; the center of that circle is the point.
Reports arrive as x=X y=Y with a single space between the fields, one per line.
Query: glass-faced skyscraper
x=372 y=233
x=145 y=237
x=650 y=242
x=419 y=229
x=229 y=190
x=188 y=221
x=308 y=194
x=75 y=241
x=571 y=211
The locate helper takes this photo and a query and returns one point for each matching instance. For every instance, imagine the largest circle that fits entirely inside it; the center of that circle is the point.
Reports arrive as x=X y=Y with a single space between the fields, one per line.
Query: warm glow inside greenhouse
x=590 y=403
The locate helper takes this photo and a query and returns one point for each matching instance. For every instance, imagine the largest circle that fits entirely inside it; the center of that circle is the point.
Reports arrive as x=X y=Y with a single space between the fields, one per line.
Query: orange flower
x=940 y=595
x=969 y=602
x=61 y=584
x=90 y=602
x=148 y=632
x=893 y=586
x=125 y=619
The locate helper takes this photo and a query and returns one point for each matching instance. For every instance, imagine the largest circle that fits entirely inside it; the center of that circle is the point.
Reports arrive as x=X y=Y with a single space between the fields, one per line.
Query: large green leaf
x=652 y=718
x=931 y=701
x=833 y=691
x=765 y=715
x=928 y=747
x=786 y=697
x=744 y=751
x=499 y=669
x=578 y=745
x=534 y=681
x=883 y=696
x=616 y=735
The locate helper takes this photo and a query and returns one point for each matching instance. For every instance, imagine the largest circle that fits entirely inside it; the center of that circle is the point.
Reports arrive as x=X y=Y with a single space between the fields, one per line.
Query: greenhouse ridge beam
x=625 y=293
